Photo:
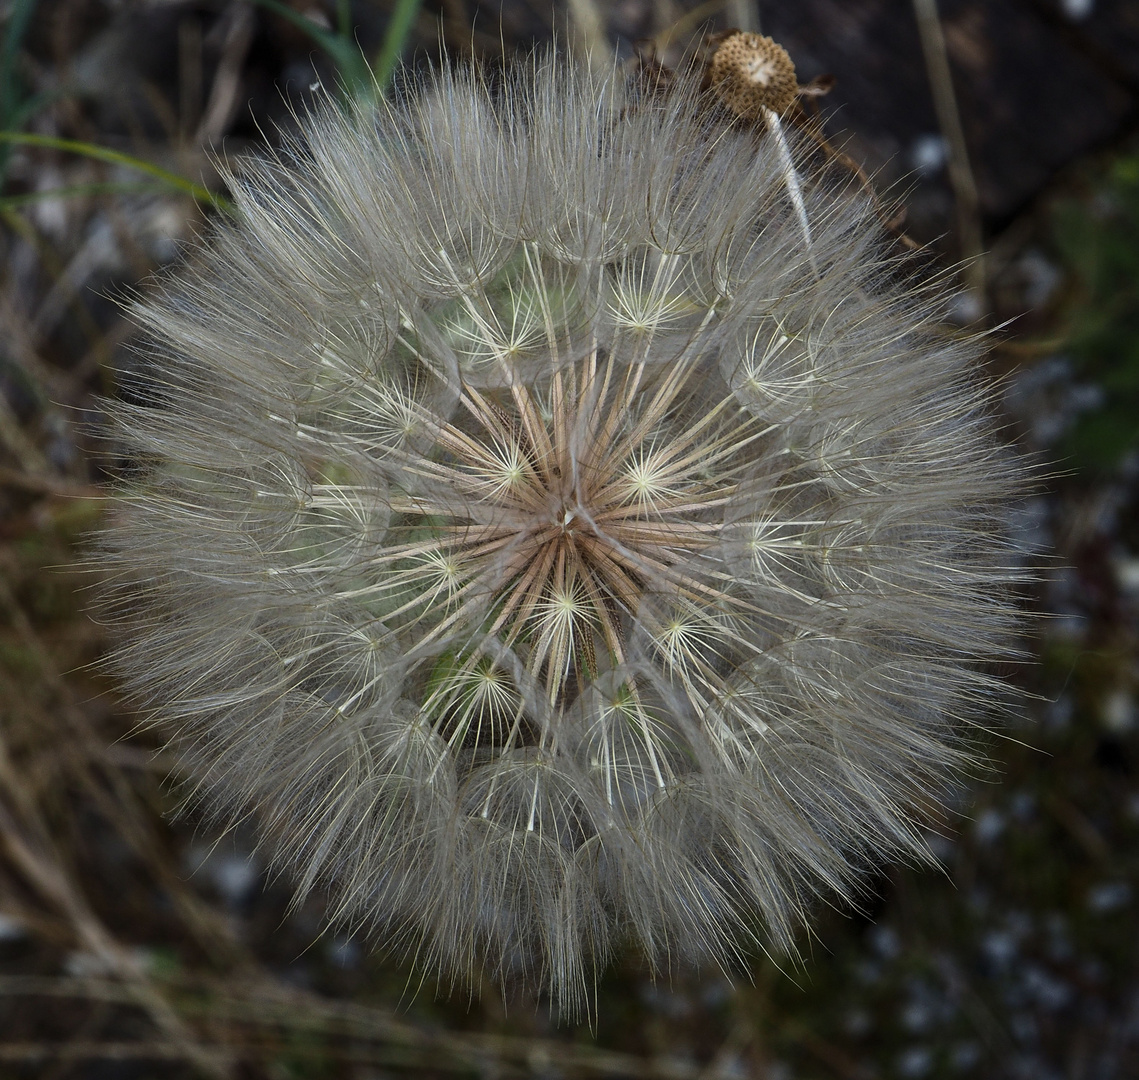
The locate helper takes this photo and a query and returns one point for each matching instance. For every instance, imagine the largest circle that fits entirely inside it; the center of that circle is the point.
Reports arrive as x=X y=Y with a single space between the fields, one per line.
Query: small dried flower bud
x=556 y=519
x=750 y=73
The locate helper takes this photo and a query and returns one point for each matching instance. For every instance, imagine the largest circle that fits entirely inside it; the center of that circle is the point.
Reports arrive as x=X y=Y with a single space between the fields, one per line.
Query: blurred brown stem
x=960 y=172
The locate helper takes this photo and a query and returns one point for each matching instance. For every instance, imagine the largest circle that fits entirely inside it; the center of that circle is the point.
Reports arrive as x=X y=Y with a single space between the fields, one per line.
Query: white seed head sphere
x=556 y=521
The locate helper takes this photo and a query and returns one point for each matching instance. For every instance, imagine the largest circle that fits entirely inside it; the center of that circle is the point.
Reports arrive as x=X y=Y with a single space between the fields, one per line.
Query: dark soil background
x=134 y=947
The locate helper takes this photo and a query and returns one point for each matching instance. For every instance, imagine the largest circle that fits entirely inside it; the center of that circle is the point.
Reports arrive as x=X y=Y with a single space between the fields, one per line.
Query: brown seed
x=750 y=73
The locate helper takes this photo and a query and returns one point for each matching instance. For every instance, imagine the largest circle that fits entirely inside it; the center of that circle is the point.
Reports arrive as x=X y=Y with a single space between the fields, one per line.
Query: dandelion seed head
x=550 y=538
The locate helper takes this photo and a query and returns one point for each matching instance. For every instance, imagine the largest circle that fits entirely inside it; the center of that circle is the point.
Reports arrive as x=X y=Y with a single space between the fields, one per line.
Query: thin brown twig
x=89 y=1051
x=261 y=1008
x=223 y=99
x=83 y=317
x=45 y=484
x=659 y=42
x=16 y=442
x=44 y=874
x=1080 y=827
x=969 y=230
x=40 y=865
x=208 y=930
x=588 y=37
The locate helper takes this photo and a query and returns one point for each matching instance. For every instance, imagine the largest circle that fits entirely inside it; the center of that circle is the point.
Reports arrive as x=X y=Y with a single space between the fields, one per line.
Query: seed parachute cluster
x=551 y=516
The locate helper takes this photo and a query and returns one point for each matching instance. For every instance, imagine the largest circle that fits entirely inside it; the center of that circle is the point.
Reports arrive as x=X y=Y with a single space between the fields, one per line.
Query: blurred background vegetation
x=134 y=945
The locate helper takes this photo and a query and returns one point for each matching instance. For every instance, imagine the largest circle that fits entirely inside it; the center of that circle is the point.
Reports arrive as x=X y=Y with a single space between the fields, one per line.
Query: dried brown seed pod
x=750 y=73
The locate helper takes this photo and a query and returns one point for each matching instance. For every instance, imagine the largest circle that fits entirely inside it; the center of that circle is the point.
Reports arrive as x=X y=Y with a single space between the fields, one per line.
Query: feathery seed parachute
x=556 y=521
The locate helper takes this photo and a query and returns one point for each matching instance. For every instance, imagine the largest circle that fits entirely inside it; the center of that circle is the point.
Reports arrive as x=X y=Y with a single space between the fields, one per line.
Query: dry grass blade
x=969 y=231
x=44 y=875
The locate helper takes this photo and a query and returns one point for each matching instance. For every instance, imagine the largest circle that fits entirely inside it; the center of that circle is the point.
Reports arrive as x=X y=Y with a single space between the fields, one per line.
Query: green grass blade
x=399 y=29
x=13 y=110
x=71 y=191
x=115 y=157
x=341 y=47
x=19 y=18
